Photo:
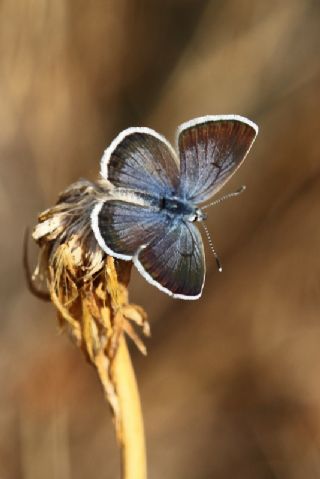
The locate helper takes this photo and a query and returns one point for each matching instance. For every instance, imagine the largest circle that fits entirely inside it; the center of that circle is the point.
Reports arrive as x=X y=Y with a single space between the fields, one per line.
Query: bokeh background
x=231 y=384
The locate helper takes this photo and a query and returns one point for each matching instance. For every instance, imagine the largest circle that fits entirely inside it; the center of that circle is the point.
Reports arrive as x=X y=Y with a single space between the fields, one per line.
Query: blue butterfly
x=149 y=213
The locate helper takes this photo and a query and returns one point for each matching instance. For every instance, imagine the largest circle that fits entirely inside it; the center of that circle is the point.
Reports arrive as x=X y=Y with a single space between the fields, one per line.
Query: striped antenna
x=215 y=254
x=226 y=197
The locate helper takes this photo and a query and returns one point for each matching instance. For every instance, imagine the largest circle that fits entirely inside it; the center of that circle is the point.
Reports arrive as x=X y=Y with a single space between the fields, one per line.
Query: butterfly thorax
x=176 y=207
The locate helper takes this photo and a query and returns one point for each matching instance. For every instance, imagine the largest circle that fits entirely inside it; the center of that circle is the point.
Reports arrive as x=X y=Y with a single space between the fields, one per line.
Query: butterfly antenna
x=215 y=254
x=226 y=197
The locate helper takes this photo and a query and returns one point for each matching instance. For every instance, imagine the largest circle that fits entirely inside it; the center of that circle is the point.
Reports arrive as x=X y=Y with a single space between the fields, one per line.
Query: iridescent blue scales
x=157 y=193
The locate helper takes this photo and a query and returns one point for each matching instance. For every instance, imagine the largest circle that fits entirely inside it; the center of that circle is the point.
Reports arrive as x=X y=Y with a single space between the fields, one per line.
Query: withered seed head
x=88 y=288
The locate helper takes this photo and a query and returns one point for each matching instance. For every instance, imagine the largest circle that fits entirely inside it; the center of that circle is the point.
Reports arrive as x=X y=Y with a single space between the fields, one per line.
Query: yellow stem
x=132 y=441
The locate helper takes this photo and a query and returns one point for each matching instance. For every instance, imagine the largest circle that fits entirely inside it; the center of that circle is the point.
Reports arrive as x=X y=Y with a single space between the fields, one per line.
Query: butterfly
x=149 y=215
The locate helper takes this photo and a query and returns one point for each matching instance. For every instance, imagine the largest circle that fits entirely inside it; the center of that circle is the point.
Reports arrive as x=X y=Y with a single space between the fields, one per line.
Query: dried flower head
x=88 y=288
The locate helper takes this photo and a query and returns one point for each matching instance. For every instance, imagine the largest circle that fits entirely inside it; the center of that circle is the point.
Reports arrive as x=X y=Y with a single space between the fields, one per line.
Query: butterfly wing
x=167 y=251
x=122 y=227
x=211 y=149
x=174 y=262
x=142 y=160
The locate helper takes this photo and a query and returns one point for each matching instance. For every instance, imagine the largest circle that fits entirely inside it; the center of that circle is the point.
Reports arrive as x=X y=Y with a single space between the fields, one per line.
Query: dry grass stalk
x=89 y=290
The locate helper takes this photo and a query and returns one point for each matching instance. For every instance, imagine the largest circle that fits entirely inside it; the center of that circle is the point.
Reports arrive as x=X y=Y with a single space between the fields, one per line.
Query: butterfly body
x=157 y=197
x=176 y=208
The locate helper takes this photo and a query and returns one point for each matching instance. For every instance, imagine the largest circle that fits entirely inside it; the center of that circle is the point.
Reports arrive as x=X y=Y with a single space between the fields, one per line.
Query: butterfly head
x=197 y=215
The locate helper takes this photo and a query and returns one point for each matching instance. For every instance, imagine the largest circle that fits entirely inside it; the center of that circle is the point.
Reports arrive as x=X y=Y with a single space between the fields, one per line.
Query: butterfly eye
x=200 y=215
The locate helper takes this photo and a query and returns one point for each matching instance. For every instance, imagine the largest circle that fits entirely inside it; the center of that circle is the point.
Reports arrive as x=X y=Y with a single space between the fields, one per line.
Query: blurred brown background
x=231 y=385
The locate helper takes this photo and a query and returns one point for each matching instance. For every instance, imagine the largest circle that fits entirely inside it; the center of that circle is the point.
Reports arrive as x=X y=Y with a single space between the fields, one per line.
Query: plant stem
x=132 y=441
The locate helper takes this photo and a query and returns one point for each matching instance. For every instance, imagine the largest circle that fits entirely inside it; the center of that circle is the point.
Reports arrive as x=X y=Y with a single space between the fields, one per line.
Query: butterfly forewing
x=142 y=160
x=211 y=149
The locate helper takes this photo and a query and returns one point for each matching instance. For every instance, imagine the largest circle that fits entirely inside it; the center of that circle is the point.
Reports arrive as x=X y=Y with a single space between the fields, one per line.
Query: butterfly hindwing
x=122 y=227
x=211 y=149
x=168 y=252
x=174 y=262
